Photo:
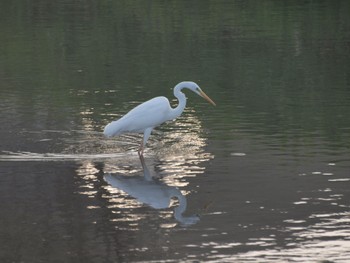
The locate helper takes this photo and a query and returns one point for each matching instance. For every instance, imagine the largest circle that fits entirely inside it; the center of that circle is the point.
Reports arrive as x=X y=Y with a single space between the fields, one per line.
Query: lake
x=261 y=177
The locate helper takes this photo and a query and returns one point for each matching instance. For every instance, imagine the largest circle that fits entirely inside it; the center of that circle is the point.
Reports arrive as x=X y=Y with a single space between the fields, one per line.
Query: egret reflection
x=148 y=190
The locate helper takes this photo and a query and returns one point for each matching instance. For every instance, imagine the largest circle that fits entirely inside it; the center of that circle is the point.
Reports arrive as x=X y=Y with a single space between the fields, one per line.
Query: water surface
x=261 y=177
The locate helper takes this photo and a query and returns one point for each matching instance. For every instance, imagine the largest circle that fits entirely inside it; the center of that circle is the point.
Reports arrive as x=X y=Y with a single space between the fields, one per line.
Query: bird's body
x=146 y=116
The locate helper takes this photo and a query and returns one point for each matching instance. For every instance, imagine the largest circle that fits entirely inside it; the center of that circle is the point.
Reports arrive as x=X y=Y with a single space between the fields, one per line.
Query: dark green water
x=263 y=176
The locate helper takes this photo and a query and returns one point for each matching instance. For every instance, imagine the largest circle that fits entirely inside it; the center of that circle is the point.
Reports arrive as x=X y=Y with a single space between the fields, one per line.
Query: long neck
x=182 y=203
x=178 y=211
x=176 y=112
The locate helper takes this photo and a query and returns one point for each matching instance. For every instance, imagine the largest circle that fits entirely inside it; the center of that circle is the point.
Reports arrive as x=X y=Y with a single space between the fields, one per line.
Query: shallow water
x=261 y=177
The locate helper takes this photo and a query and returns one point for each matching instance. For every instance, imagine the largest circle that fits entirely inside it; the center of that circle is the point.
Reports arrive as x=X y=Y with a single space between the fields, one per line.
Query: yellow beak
x=205 y=96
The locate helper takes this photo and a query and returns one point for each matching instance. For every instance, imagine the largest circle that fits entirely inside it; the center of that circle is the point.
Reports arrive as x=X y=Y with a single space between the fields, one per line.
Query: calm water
x=262 y=177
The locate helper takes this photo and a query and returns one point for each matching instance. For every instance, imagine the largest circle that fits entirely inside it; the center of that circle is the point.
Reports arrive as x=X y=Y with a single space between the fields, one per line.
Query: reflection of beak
x=205 y=96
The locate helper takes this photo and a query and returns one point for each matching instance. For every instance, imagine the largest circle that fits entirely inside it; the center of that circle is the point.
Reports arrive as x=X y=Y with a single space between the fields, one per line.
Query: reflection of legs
x=146 y=135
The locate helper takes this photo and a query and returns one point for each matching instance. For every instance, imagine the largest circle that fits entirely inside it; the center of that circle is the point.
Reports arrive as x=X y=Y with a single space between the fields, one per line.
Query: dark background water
x=267 y=170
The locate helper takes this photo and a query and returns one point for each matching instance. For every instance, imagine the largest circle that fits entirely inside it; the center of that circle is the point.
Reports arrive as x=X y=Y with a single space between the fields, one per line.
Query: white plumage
x=144 y=117
x=141 y=117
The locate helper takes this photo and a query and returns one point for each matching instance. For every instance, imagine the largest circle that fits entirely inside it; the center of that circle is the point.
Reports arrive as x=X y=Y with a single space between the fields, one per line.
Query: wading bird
x=144 y=117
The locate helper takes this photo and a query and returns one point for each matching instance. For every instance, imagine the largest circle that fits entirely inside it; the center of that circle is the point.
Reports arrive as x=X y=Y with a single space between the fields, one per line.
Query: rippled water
x=261 y=177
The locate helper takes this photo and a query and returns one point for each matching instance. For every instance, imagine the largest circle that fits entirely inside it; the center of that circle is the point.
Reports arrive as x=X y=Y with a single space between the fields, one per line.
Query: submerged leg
x=146 y=135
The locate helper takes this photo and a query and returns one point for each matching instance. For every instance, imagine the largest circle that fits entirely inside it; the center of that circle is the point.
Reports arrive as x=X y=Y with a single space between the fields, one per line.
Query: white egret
x=144 y=117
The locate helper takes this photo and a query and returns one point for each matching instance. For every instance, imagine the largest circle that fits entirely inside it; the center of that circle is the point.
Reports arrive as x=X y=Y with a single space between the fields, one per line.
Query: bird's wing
x=148 y=114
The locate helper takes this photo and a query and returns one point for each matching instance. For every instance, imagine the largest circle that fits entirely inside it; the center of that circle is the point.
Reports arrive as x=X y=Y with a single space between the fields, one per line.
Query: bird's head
x=196 y=89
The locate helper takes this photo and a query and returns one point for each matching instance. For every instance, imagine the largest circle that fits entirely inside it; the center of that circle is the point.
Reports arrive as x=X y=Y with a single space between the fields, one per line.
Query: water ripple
x=30 y=156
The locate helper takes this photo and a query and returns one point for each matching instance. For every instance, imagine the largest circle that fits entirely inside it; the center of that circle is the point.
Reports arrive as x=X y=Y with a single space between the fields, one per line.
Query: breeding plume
x=146 y=116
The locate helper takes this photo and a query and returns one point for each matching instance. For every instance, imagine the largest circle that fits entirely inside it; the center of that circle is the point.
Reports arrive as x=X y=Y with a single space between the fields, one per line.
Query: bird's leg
x=146 y=135
x=140 y=150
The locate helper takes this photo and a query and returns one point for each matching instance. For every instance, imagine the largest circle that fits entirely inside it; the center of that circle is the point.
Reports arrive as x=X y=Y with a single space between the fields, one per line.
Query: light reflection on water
x=292 y=218
x=178 y=159
x=146 y=190
x=327 y=238
x=182 y=159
